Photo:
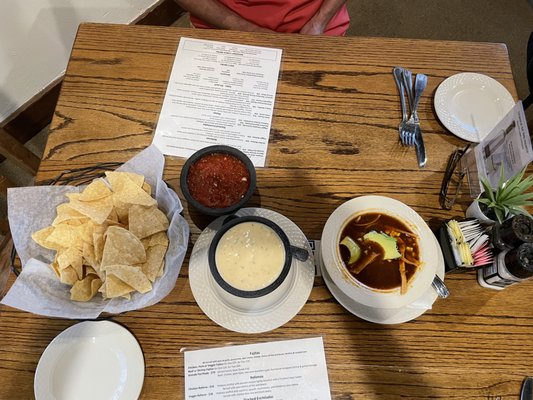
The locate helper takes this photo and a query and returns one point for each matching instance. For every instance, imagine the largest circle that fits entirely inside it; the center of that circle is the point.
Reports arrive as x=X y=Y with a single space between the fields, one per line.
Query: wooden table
x=334 y=137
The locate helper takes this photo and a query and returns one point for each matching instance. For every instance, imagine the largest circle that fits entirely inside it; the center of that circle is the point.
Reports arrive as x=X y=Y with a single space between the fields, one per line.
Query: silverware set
x=409 y=128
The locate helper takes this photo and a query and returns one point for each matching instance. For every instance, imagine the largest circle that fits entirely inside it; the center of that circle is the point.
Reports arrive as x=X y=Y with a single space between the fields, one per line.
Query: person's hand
x=313 y=27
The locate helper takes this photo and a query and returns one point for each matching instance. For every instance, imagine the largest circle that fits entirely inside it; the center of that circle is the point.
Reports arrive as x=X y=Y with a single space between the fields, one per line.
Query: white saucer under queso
x=386 y=315
x=220 y=312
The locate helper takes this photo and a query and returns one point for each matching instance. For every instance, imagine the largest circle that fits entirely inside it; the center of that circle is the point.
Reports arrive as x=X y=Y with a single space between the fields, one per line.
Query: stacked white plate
x=384 y=307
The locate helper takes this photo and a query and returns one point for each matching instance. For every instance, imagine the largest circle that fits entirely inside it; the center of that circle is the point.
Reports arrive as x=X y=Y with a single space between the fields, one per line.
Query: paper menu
x=219 y=93
x=290 y=369
x=507 y=145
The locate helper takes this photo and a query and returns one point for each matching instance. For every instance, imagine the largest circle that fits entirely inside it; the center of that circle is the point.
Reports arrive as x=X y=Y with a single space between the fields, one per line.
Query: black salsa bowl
x=212 y=186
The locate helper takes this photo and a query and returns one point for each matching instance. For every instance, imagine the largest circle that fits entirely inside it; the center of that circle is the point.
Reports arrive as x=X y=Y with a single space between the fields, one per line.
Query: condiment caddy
x=502 y=253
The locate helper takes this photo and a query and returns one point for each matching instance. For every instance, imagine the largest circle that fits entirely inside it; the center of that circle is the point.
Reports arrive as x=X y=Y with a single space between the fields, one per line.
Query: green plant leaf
x=510 y=193
x=488 y=191
x=519 y=210
x=518 y=177
x=517 y=190
x=499 y=215
x=519 y=200
x=525 y=184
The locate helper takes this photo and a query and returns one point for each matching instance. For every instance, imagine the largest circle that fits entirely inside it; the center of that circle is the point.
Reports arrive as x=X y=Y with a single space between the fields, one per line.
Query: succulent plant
x=510 y=197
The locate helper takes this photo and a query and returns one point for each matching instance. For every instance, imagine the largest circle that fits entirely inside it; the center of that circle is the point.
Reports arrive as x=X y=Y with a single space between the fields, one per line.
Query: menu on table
x=507 y=146
x=290 y=369
x=219 y=94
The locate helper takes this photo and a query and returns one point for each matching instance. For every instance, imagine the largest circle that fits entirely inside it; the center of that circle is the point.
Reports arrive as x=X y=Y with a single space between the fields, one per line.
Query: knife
x=420 y=148
x=420 y=84
x=527 y=389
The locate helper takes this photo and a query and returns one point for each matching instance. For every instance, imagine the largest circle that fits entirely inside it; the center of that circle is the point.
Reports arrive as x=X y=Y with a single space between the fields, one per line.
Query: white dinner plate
x=220 y=312
x=91 y=360
x=383 y=315
x=470 y=105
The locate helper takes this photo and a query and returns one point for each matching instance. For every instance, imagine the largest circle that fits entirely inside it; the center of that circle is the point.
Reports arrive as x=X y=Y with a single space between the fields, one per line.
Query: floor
x=502 y=21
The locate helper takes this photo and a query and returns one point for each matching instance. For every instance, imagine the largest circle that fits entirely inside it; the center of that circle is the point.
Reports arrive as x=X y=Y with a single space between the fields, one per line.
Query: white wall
x=36 y=38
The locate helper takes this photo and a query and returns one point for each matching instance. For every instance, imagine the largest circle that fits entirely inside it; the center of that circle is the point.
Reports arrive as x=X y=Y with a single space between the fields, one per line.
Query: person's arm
x=318 y=22
x=218 y=15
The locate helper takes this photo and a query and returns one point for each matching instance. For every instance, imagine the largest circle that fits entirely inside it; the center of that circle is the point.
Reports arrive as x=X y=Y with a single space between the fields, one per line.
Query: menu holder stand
x=507 y=148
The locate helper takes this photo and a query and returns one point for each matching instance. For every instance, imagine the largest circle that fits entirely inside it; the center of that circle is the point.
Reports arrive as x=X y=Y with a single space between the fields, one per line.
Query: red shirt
x=282 y=15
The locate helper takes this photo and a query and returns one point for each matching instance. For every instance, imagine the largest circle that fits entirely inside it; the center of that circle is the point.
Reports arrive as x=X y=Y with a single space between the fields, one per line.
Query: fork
x=412 y=135
x=398 y=78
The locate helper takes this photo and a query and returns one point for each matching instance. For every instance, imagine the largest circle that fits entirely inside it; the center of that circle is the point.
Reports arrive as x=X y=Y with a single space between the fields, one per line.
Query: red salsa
x=218 y=180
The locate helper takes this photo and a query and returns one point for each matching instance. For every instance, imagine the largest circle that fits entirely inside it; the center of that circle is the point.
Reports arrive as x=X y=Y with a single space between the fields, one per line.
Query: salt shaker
x=510 y=266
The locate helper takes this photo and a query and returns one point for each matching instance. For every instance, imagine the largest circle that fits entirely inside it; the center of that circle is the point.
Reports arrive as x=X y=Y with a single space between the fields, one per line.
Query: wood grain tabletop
x=334 y=137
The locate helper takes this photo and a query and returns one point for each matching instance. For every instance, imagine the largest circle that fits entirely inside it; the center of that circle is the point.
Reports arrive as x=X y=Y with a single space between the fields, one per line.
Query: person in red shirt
x=313 y=17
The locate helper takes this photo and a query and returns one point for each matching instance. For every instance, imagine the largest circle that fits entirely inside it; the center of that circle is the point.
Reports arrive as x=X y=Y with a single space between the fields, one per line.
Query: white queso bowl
x=357 y=291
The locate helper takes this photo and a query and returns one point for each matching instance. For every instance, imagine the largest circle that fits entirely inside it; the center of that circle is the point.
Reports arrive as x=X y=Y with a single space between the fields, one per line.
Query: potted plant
x=508 y=199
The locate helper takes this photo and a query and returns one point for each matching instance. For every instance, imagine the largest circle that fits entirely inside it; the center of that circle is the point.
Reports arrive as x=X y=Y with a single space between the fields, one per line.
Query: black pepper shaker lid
x=523 y=228
x=519 y=261
x=513 y=232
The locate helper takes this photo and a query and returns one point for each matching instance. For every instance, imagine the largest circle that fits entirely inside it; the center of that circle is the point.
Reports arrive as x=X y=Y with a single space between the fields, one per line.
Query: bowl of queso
x=379 y=252
x=250 y=261
x=218 y=180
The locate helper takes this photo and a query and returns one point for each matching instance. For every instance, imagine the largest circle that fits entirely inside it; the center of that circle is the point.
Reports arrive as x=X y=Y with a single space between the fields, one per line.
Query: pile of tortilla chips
x=111 y=238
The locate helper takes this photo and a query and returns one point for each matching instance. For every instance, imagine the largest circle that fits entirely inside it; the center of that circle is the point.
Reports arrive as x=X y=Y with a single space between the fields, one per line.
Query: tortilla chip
x=66 y=213
x=88 y=270
x=85 y=289
x=55 y=267
x=97 y=210
x=159 y=238
x=116 y=287
x=161 y=269
x=41 y=238
x=116 y=179
x=96 y=190
x=89 y=256
x=73 y=196
x=71 y=257
x=128 y=191
x=85 y=232
x=147 y=188
x=98 y=242
x=122 y=247
x=145 y=221
x=68 y=276
x=112 y=218
x=121 y=210
x=66 y=236
x=130 y=275
x=155 y=255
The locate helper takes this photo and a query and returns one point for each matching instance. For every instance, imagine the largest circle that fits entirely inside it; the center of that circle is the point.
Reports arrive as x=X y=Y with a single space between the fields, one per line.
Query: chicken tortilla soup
x=380 y=251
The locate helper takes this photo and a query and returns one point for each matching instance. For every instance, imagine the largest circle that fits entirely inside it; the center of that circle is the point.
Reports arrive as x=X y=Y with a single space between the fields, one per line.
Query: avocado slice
x=353 y=247
x=388 y=243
